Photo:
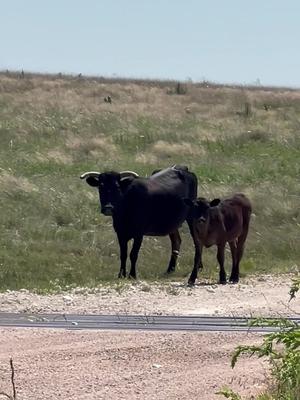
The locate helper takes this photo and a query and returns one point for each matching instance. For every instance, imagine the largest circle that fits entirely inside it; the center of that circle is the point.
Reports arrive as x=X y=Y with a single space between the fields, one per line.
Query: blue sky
x=227 y=41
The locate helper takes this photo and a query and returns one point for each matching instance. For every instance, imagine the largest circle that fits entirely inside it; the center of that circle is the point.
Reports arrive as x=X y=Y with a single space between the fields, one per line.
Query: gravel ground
x=266 y=295
x=115 y=365
x=125 y=365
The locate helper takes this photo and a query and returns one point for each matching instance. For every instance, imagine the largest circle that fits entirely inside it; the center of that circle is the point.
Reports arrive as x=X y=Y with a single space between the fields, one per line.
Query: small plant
x=14 y=393
x=181 y=88
x=174 y=291
x=248 y=109
x=229 y=394
x=282 y=348
x=294 y=288
x=145 y=288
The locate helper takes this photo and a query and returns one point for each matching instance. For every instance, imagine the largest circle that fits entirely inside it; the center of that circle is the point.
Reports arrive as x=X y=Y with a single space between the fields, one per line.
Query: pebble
x=156 y=365
x=210 y=289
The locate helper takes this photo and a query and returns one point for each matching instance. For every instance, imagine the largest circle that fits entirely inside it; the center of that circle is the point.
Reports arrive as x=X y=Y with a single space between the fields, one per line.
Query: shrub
x=282 y=348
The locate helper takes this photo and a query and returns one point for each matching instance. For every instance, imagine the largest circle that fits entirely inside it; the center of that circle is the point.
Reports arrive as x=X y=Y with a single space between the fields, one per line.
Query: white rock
x=68 y=299
x=210 y=289
x=156 y=365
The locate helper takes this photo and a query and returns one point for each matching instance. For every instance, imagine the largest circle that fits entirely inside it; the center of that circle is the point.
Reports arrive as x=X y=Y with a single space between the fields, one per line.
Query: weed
x=282 y=349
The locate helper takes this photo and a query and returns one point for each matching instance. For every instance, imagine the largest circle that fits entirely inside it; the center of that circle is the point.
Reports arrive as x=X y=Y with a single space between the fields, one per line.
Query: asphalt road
x=133 y=322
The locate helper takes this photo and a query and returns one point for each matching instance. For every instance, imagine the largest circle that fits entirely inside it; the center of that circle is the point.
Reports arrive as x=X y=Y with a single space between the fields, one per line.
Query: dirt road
x=125 y=365
x=139 y=365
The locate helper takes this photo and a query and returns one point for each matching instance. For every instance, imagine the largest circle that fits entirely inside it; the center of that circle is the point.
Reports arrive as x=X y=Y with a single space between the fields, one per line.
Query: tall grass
x=54 y=128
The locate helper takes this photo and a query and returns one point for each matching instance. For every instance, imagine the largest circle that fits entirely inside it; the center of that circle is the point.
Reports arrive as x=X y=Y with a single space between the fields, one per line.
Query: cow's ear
x=92 y=181
x=125 y=182
x=215 y=202
x=188 y=202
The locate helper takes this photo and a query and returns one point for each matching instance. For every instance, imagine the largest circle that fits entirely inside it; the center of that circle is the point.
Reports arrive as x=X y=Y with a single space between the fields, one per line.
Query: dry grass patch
x=163 y=148
x=146 y=158
x=59 y=157
x=212 y=191
x=11 y=183
x=95 y=147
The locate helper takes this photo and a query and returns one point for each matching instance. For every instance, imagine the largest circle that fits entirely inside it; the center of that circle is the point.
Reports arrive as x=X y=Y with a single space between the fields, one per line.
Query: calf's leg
x=198 y=252
x=220 y=258
x=197 y=264
x=175 y=242
x=235 y=274
x=233 y=247
x=137 y=242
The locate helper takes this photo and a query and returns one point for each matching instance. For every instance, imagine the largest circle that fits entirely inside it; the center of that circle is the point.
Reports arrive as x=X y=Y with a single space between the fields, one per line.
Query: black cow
x=151 y=206
x=218 y=222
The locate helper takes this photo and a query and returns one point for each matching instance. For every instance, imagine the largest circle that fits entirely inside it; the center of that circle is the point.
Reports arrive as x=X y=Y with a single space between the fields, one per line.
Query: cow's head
x=111 y=186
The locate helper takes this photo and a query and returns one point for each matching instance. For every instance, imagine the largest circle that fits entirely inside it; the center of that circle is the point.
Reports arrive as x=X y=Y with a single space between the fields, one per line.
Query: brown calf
x=216 y=223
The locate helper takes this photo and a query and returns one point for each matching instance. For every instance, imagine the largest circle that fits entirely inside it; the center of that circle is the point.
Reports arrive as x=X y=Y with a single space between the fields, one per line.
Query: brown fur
x=218 y=222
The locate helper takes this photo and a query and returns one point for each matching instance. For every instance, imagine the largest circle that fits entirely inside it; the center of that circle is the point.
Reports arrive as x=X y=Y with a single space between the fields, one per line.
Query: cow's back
x=155 y=206
x=176 y=180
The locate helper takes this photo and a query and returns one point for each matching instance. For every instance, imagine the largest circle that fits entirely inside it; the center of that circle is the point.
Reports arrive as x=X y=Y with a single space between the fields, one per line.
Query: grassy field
x=53 y=128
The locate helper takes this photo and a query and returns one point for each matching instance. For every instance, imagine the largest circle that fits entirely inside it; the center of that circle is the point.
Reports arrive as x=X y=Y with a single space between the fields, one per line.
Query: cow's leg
x=220 y=258
x=123 y=256
x=137 y=241
x=175 y=242
x=233 y=248
x=198 y=252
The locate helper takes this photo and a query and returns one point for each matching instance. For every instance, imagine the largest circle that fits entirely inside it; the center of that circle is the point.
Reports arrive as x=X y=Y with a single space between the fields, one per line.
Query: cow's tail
x=246 y=212
x=193 y=186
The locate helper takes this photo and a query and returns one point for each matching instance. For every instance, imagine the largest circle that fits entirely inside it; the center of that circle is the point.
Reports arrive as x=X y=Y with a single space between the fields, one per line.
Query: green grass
x=53 y=129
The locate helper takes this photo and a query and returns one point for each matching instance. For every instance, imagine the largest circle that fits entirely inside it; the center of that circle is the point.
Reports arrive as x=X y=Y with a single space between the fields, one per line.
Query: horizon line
x=116 y=78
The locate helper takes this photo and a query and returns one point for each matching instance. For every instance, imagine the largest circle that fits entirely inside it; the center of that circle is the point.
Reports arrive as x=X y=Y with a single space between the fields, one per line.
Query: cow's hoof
x=132 y=277
x=191 y=283
x=222 y=281
x=234 y=280
x=170 y=271
x=120 y=276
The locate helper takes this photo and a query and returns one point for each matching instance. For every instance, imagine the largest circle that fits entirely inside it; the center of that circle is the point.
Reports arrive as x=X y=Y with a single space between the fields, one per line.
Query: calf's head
x=111 y=186
x=203 y=210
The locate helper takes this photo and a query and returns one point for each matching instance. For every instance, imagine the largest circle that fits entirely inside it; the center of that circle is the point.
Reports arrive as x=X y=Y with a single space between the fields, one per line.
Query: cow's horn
x=90 y=173
x=125 y=174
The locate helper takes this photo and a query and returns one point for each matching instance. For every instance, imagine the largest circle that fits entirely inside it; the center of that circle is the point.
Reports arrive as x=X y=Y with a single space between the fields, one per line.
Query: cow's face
x=110 y=192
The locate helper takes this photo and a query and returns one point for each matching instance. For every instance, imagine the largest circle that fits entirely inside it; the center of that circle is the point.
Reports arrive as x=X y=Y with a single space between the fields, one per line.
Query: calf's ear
x=92 y=181
x=215 y=202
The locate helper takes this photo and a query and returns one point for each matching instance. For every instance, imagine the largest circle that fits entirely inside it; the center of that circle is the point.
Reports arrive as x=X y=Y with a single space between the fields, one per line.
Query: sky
x=223 y=41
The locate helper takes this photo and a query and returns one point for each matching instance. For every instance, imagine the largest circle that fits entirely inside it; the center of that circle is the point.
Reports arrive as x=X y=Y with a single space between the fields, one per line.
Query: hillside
x=53 y=128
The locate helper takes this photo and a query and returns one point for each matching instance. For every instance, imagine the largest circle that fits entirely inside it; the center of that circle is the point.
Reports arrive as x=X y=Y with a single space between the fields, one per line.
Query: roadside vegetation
x=53 y=128
x=282 y=350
